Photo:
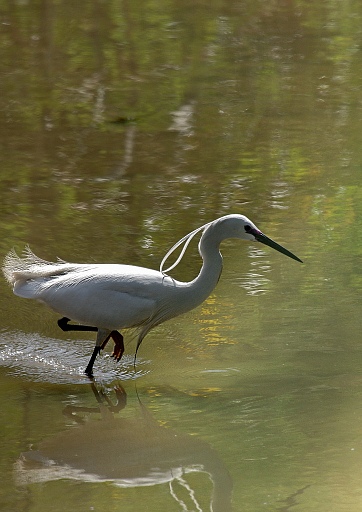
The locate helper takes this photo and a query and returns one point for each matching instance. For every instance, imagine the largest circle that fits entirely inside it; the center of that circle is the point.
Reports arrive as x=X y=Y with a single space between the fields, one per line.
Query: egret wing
x=109 y=296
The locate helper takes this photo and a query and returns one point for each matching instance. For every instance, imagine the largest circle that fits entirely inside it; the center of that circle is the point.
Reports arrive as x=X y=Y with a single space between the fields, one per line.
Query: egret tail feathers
x=27 y=273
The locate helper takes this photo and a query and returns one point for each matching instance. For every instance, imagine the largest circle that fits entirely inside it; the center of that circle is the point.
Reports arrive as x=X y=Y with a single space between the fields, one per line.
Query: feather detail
x=27 y=273
x=184 y=240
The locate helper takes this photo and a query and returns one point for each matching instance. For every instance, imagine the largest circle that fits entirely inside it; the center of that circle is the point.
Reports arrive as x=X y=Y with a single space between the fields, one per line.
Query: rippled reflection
x=128 y=452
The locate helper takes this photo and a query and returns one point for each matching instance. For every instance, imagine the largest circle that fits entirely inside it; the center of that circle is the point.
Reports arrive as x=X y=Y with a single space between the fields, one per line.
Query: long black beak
x=260 y=237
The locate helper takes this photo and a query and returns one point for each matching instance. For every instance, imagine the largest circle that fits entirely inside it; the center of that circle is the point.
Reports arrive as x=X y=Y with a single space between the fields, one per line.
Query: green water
x=125 y=125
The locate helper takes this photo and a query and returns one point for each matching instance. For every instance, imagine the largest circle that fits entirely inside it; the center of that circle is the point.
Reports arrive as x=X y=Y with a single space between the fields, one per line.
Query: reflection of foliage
x=129 y=123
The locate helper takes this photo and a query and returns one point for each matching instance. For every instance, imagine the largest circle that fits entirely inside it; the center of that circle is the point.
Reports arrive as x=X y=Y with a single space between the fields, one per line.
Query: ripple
x=42 y=359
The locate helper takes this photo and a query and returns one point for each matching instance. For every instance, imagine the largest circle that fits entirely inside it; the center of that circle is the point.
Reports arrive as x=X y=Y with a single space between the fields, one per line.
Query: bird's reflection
x=129 y=452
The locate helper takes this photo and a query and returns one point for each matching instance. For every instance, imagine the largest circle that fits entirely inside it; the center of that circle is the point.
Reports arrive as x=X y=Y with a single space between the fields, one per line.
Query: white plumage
x=108 y=297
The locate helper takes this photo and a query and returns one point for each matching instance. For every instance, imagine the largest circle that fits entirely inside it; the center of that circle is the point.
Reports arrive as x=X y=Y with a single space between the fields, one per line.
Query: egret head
x=229 y=226
x=239 y=226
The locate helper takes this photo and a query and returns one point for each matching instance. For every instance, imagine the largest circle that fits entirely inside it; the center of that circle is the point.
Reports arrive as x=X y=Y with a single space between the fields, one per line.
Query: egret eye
x=247 y=228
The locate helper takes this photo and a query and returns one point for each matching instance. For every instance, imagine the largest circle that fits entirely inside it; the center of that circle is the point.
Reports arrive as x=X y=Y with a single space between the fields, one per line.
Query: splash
x=41 y=359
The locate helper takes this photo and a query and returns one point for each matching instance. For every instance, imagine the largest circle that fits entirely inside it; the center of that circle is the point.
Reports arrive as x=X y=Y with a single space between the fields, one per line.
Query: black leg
x=103 y=336
x=63 y=324
x=89 y=369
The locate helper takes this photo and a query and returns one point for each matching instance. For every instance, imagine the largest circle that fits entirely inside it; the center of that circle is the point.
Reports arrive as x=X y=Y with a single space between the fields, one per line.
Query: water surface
x=124 y=126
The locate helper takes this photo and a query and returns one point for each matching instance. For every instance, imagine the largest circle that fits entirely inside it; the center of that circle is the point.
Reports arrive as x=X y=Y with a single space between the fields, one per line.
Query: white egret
x=108 y=297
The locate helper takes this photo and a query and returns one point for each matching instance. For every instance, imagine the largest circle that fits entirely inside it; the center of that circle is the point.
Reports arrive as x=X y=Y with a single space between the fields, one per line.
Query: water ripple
x=41 y=359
